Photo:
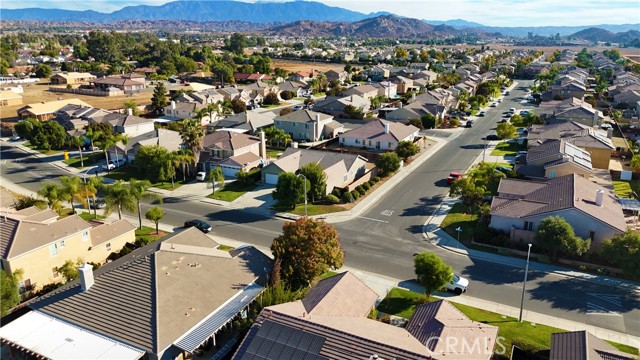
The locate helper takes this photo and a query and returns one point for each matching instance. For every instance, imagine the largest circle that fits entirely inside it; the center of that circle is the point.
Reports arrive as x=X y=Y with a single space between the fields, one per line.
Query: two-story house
x=232 y=151
x=556 y=158
x=380 y=135
x=308 y=125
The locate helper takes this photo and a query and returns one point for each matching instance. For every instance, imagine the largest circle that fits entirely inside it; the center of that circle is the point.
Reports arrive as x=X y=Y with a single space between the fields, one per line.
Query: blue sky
x=488 y=12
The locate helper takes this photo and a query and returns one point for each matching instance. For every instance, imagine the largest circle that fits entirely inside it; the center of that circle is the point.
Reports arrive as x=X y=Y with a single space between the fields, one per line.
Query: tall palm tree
x=139 y=191
x=71 y=186
x=117 y=197
x=184 y=159
x=93 y=135
x=92 y=185
x=78 y=141
x=202 y=113
x=53 y=193
x=192 y=135
x=213 y=109
x=124 y=139
x=108 y=141
x=87 y=190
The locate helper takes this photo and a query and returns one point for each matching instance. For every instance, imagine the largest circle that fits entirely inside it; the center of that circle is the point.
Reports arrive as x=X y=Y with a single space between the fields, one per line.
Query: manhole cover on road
x=609 y=304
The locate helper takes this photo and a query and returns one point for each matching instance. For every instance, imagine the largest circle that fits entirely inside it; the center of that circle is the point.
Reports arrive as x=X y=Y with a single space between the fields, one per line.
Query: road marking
x=610 y=298
x=387 y=212
x=604 y=304
x=382 y=221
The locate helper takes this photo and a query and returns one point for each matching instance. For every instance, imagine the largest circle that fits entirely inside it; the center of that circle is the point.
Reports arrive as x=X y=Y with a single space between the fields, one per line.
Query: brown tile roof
x=118 y=81
x=241 y=160
x=572 y=132
x=7 y=200
x=49 y=107
x=582 y=345
x=520 y=198
x=108 y=231
x=374 y=130
x=228 y=140
x=43 y=216
x=340 y=295
x=8 y=229
x=303 y=116
x=293 y=159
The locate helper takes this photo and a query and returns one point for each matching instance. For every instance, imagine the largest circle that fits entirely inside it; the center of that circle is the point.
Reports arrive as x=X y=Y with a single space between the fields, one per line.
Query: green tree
x=71 y=186
x=624 y=251
x=192 y=135
x=43 y=71
x=289 y=190
x=417 y=123
x=159 y=99
x=388 y=163
x=10 y=293
x=153 y=161
x=50 y=135
x=429 y=121
x=635 y=162
x=432 y=273
x=236 y=43
x=555 y=235
x=118 y=197
x=139 y=190
x=23 y=202
x=317 y=180
x=307 y=248
x=78 y=142
x=472 y=195
x=27 y=128
x=53 y=193
x=131 y=104
x=154 y=214
x=407 y=149
x=69 y=270
x=506 y=130
x=216 y=176
x=271 y=99
x=238 y=106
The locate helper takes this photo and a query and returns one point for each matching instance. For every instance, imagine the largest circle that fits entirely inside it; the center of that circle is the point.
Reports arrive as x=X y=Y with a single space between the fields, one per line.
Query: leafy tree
x=432 y=273
x=624 y=251
x=23 y=202
x=271 y=99
x=153 y=161
x=417 y=123
x=388 y=163
x=192 y=135
x=317 y=179
x=485 y=174
x=307 y=249
x=287 y=95
x=555 y=235
x=216 y=176
x=54 y=194
x=139 y=190
x=71 y=186
x=69 y=270
x=118 y=197
x=407 y=149
x=236 y=43
x=472 y=195
x=47 y=136
x=131 y=104
x=10 y=293
x=43 y=71
x=506 y=130
x=27 y=128
x=286 y=111
x=159 y=98
x=635 y=162
x=429 y=121
x=238 y=106
x=154 y=214
x=289 y=190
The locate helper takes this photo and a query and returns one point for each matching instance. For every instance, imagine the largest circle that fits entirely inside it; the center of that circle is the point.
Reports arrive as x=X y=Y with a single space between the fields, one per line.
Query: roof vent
x=599 y=197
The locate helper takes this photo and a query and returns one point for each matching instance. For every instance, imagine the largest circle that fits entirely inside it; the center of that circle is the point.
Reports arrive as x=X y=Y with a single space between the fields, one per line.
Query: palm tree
x=53 y=193
x=202 y=113
x=92 y=185
x=184 y=159
x=109 y=141
x=213 y=108
x=118 y=196
x=93 y=135
x=88 y=190
x=192 y=135
x=78 y=141
x=71 y=186
x=139 y=191
x=124 y=139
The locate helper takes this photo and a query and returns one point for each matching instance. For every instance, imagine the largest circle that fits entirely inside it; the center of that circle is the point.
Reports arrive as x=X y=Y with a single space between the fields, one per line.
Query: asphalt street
x=384 y=238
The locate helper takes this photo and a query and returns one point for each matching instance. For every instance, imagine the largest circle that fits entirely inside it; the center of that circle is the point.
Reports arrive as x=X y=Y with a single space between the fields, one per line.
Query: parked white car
x=201 y=176
x=113 y=164
x=457 y=285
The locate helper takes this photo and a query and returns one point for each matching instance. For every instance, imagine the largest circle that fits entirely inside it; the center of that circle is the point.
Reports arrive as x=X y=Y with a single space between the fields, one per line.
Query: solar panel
x=275 y=341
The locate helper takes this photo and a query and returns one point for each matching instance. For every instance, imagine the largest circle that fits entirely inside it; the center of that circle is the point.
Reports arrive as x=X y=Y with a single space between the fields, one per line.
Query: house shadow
x=492 y=273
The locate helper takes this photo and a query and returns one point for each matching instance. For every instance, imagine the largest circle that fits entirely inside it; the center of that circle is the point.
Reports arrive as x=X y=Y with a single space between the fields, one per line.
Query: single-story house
x=71 y=78
x=379 y=135
x=582 y=345
x=46 y=110
x=8 y=98
x=336 y=105
x=122 y=83
x=247 y=121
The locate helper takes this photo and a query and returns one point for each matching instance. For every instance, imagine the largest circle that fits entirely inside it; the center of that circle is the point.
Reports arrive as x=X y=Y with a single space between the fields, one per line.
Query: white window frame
x=53 y=249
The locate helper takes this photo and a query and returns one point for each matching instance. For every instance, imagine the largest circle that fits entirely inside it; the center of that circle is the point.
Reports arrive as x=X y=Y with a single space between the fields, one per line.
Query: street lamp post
x=459 y=230
x=524 y=284
x=484 y=150
x=305 y=193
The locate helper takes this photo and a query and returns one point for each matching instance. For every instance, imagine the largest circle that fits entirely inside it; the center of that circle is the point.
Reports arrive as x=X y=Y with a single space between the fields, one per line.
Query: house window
x=390 y=145
x=53 y=249
x=293 y=125
x=528 y=225
x=345 y=178
x=55 y=272
x=277 y=122
x=85 y=235
x=108 y=246
x=357 y=141
x=306 y=126
x=61 y=244
x=592 y=235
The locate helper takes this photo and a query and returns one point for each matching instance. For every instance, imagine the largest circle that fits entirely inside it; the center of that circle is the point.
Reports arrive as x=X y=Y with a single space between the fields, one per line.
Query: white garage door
x=271 y=179
x=229 y=170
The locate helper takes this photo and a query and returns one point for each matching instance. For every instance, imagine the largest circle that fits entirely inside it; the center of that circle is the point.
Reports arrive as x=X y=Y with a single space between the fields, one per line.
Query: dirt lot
x=34 y=93
x=294 y=66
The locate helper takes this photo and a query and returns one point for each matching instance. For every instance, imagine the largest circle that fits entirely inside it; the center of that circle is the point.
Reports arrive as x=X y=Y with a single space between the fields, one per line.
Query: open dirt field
x=293 y=66
x=34 y=93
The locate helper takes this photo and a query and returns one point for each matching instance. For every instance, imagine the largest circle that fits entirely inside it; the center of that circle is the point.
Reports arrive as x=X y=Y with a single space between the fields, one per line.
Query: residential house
x=404 y=84
x=365 y=91
x=431 y=102
x=144 y=305
x=377 y=73
x=260 y=89
x=339 y=76
x=577 y=110
x=331 y=322
x=387 y=89
x=567 y=90
x=247 y=122
x=206 y=97
x=168 y=139
x=44 y=111
x=520 y=206
x=232 y=151
x=9 y=98
x=429 y=76
x=626 y=97
x=38 y=243
x=186 y=110
x=71 y=78
x=298 y=88
x=122 y=83
x=341 y=169
x=308 y=125
x=127 y=124
x=582 y=345
x=248 y=78
x=336 y=105
x=555 y=158
x=379 y=135
x=304 y=75
x=596 y=142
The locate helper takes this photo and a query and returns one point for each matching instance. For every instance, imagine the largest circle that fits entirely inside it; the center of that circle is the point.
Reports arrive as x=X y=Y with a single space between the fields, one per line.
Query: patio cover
x=630 y=204
x=55 y=339
x=218 y=318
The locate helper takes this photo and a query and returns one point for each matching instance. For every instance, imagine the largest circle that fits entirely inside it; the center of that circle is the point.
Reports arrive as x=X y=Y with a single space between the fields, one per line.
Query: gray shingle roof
x=375 y=130
x=582 y=345
x=303 y=116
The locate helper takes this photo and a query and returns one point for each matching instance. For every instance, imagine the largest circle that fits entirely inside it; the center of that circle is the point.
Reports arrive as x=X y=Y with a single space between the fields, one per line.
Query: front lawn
x=624 y=188
x=89 y=160
x=127 y=173
x=507 y=149
x=532 y=337
x=232 y=191
x=459 y=217
x=273 y=153
x=147 y=234
x=42 y=151
x=312 y=209
x=89 y=216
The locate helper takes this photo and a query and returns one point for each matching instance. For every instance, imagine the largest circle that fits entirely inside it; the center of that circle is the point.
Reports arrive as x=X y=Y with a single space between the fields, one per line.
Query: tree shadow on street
x=494 y=273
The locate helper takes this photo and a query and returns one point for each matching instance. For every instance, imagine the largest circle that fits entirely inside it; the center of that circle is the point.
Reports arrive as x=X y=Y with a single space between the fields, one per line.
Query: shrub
x=386 y=319
x=454 y=122
x=347 y=197
x=366 y=186
x=355 y=194
x=336 y=192
x=287 y=95
x=361 y=190
x=420 y=300
x=375 y=179
x=332 y=199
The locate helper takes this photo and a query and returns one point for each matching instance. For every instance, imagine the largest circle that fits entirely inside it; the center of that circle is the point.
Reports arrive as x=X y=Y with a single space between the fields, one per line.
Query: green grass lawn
x=507 y=149
x=624 y=188
x=225 y=247
x=273 y=153
x=45 y=152
x=312 y=209
x=127 y=173
x=89 y=216
x=534 y=337
x=231 y=192
x=148 y=234
x=89 y=160
x=458 y=216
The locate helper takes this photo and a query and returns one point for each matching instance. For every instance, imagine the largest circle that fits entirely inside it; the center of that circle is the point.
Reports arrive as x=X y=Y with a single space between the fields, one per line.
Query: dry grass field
x=550 y=49
x=293 y=66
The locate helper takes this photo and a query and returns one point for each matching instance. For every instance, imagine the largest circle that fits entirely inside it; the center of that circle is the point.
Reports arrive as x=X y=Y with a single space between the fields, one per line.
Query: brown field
x=550 y=49
x=34 y=93
x=293 y=66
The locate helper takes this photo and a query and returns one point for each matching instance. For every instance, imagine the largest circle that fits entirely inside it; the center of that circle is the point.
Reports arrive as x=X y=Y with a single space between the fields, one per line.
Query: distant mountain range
x=597 y=34
x=271 y=12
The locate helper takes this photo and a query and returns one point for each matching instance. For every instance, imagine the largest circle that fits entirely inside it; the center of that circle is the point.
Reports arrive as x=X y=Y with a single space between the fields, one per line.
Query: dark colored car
x=492 y=137
x=504 y=169
x=198 y=224
x=469 y=124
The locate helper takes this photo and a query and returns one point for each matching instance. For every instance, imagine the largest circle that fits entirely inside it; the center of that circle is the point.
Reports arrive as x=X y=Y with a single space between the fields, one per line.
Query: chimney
x=86 y=276
x=263 y=146
x=129 y=111
x=400 y=104
x=294 y=144
x=351 y=98
x=610 y=132
x=599 y=197
x=386 y=128
x=173 y=105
